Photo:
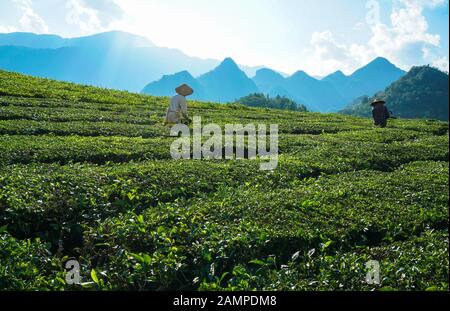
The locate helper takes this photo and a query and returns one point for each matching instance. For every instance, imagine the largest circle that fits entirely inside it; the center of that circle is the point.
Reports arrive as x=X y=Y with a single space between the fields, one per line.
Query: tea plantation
x=86 y=174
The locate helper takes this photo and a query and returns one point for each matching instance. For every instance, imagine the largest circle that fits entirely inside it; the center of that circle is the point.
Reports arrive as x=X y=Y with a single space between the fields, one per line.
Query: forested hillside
x=422 y=93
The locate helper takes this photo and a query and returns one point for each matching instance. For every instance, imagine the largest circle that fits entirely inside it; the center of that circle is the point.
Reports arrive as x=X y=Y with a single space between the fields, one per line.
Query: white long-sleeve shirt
x=178 y=103
x=177 y=107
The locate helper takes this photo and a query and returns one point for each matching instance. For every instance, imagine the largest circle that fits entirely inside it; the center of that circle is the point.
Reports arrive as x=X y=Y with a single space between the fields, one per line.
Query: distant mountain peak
x=180 y=77
x=380 y=66
x=229 y=63
x=125 y=35
x=167 y=84
x=183 y=73
x=228 y=60
x=267 y=80
x=29 y=34
x=301 y=75
x=115 y=38
x=227 y=67
x=337 y=75
x=267 y=72
x=380 y=62
x=227 y=82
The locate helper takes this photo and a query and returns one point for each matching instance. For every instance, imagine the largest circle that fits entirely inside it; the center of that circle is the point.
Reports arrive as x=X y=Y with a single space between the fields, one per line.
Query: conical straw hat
x=184 y=90
x=377 y=100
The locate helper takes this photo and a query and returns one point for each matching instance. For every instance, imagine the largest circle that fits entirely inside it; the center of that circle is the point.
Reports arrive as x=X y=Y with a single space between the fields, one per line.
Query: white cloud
x=442 y=63
x=7 y=29
x=406 y=41
x=86 y=18
x=30 y=21
x=107 y=11
x=409 y=29
x=329 y=55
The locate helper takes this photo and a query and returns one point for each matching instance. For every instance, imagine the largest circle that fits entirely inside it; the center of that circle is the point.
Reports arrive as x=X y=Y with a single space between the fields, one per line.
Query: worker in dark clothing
x=380 y=112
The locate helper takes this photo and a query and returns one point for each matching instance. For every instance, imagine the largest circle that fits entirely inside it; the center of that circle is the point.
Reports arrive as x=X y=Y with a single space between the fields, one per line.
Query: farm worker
x=177 y=111
x=380 y=112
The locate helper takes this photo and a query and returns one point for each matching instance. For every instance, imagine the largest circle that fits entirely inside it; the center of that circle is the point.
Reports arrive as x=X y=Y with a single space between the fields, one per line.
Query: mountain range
x=333 y=91
x=113 y=59
x=125 y=61
x=228 y=83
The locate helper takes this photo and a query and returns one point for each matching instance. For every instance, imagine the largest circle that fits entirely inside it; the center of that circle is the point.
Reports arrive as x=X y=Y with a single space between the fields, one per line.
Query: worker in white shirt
x=177 y=111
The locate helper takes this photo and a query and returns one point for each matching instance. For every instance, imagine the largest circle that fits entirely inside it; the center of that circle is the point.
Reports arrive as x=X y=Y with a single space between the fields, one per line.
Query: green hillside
x=86 y=173
x=421 y=93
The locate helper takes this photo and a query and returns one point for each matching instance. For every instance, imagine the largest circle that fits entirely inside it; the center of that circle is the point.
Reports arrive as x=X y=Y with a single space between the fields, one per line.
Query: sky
x=317 y=36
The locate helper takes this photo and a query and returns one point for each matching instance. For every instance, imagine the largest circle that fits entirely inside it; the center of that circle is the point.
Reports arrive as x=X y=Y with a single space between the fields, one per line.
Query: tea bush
x=86 y=173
